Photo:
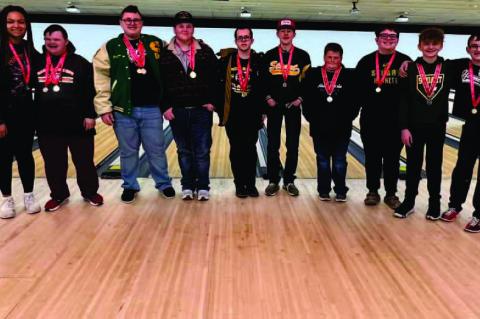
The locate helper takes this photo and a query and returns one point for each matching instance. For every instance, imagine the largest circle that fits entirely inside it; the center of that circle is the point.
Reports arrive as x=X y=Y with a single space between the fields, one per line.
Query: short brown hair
x=435 y=35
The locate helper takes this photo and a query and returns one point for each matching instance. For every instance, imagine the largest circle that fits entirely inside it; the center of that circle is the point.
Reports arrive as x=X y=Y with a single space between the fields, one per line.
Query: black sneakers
x=405 y=209
x=168 y=192
x=433 y=212
x=252 y=191
x=128 y=195
x=272 y=189
x=241 y=192
x=291 y=189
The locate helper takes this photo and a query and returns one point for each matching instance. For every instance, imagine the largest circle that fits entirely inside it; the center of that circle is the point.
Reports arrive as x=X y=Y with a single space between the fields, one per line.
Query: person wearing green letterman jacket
x=128 y=92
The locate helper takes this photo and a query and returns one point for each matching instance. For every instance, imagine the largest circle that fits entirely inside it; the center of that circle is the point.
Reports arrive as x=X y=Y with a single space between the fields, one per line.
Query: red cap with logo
x=286 y=24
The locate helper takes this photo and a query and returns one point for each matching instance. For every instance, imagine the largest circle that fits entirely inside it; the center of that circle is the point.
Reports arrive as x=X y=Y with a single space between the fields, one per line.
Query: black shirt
x=144 y=87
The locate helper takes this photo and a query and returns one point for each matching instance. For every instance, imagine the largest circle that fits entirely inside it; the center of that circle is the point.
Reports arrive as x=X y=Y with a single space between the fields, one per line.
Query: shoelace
x=451 y=211
x=474 y=221
x=29 y=200
x=9 y=203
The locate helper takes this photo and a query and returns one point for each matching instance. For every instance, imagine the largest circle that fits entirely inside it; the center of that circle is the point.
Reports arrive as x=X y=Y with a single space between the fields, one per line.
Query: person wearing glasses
x=283 y=69
x=129 y=87
x=378 y=93
x=241 y=113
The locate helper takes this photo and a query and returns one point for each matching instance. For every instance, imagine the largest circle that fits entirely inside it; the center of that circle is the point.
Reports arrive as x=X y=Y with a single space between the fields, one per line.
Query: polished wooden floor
x=279 y=257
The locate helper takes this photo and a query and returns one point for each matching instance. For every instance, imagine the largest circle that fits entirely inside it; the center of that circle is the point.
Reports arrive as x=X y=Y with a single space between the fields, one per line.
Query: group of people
x=138 y=80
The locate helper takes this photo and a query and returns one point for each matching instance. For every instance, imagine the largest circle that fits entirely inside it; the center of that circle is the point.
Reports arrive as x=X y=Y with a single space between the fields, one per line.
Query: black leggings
x=16 y=144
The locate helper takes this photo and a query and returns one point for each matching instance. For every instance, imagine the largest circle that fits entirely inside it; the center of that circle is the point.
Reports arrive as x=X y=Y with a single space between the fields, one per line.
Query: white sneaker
x=203 y=195
x=31 y=205
x=187 y=194
x=7 y=209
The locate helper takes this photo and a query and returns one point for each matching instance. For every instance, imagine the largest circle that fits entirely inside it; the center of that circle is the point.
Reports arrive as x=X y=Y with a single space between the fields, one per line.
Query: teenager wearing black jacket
x=65 y=117
x=283 y=69
x=16 y=111
x=378 y=94
x=241 y=112
x=329 y=108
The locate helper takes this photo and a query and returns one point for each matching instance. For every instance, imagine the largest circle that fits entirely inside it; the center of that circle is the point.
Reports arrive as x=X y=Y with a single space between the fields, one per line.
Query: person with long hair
x=16 y=108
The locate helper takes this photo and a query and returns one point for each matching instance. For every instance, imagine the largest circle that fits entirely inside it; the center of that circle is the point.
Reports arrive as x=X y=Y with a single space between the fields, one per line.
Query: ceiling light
x=354 y=10
x=403 y=18
x=244 y=13
x=71 y=8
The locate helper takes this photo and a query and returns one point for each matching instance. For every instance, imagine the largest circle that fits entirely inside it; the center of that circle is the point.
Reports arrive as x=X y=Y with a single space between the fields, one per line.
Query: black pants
x=243 y=152
x=331 y=154
x=468 y=153
x=274 y=128
x=17 y=144
x=382 y=148
x=55 y=155
x=433 y=137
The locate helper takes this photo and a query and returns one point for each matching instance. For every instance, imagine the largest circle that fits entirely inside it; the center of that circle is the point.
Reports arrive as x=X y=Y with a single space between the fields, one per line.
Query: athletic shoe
x=392 y=201
x=272 y=189
x=450 y=215
x=129 y=195
x=187 y=194
x=31 y=205
x=433 y=212
x=54 y=204
x=324 y=197
x=473 y=226
x=252 y=191
x=241 y=192
x=341 y=198
x=168 y=192
x=7 y=209
x=404 y=210
x=291 y=189
x=203 y=195
x=372 y=199
x=94 y=200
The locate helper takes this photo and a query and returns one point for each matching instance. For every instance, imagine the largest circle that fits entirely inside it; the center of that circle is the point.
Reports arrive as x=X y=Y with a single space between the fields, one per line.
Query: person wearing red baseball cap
x=282 y=70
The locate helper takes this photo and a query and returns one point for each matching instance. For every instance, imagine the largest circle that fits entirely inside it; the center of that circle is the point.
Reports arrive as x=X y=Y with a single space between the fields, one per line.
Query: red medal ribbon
x=475 y=100
x=380 y=79
x=241 y=79
x=192 y=56
x=285 y=71
x=429 y=88
x=53 y=74
x=330 y=86
x=138 y=59
x=25 y=73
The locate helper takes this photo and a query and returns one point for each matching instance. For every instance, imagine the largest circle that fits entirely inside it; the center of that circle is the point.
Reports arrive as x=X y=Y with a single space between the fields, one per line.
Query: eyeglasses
x=385 y=36
x=243 y=38
x=474 y=47
x=131 y=21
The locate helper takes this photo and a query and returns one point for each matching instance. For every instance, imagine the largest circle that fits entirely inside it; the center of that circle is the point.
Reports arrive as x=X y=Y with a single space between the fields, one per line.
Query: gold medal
x=45 y=90
x=474 y=111
x=329 y=99
x=244 y=94
x=193 y=75
x=378 y=89
x=56 y=88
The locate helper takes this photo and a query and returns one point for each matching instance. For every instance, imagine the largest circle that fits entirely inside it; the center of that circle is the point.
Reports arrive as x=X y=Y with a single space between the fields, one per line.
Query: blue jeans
x=144 y=126
x=192 y=131
x=331 y=149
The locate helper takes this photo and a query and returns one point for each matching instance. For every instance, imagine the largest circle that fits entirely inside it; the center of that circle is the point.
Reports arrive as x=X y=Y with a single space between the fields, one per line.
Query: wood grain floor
x=279 y=257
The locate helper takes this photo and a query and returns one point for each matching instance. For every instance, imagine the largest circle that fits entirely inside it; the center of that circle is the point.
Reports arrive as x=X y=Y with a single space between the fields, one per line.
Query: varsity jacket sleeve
x=101 y=77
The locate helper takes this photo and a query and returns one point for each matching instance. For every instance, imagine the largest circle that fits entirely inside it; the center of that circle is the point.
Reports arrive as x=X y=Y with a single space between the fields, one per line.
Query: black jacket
x=331 y=118
x=183 y=91
x=462 y=106
x=63 y=112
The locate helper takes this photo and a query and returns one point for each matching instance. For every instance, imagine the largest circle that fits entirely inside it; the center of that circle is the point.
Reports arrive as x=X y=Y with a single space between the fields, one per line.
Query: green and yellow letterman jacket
x=112 y=73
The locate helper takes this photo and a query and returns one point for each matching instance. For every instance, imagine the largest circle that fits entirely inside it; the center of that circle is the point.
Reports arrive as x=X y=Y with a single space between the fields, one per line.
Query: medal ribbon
x=138 y=59
x=192 y=56
x=330 y=86
x=379 y=80
x=475 y=100
x=53 y=74
x=285 y=71
x=241 y=79
x=26 y=73
x=429 y=88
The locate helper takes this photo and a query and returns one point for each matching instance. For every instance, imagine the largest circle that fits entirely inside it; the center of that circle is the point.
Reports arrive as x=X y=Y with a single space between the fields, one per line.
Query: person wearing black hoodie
x=64 y=91
x=328 y=107
x=378 y=94
x=422 y=117
x=17 y=55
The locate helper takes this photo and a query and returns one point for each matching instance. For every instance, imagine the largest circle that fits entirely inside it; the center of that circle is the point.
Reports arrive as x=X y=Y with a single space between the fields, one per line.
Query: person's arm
x=101 y=77
x=88 y=95
x=404 y=108
x=306 y=91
